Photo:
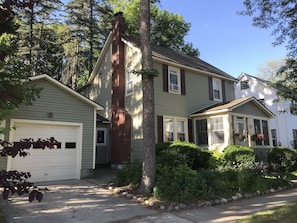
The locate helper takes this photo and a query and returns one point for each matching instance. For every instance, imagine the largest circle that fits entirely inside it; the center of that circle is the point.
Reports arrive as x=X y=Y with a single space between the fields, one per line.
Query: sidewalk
x=230 y=212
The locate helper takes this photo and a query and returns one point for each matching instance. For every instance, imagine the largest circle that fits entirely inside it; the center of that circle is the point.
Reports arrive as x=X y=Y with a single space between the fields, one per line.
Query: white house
x=284 y=124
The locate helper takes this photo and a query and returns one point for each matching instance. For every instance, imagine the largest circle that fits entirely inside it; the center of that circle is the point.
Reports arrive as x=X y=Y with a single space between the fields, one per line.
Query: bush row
x=186 y=172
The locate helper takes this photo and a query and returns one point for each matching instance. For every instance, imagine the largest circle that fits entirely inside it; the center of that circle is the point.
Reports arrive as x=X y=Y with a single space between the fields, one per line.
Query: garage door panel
x=49 y=164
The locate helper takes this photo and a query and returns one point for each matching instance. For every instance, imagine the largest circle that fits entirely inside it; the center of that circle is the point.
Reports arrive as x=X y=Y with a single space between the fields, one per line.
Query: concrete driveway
x=73 y=201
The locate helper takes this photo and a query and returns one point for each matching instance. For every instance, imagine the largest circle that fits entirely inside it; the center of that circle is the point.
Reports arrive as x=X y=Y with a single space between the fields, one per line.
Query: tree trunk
x=149 y=157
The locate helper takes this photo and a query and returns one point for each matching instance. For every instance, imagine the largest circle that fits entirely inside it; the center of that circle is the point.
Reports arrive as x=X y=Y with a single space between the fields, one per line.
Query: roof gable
x=231 y=106
x=67 y=90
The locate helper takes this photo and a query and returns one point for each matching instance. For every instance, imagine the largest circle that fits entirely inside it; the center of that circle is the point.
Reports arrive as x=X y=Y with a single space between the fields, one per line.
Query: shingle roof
x=229 y=106
x=180 y=58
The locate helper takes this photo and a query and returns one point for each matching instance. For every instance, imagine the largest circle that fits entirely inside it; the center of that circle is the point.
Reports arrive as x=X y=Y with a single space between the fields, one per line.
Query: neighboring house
x=284 y=124
x=194 y=101
x=61 y=113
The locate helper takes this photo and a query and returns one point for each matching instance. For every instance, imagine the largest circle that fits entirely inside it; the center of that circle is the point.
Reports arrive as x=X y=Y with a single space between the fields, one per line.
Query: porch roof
x=230 y=106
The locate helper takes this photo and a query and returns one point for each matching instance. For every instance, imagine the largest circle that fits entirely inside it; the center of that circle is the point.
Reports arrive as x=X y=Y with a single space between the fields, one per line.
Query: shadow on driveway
x=73 y=201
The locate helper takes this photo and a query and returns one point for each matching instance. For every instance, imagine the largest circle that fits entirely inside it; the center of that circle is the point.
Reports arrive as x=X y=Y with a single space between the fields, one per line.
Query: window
x=293 y=108
x=101 y=136
x=274 y=137
x=70 y=145
x=217 y=89
x=129 y=83
x=201 y=132
x=217 y=130
x=174 y=80
x=244 y=85
x=294 y=143
x=175 y=129
x=261 y=127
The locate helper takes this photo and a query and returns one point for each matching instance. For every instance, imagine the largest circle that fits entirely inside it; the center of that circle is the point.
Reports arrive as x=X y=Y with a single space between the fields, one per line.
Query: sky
x=225 y=39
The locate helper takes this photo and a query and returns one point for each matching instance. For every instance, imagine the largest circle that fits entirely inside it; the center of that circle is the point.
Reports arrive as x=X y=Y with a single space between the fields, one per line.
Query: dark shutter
x=190 y=130
x=160 y=128
x=223 y=91
x=182 y=82
x=210 y=88
x=165 y=77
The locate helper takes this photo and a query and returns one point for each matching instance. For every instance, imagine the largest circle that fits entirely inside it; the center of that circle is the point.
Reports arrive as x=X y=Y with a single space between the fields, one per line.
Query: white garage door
x=49 y=164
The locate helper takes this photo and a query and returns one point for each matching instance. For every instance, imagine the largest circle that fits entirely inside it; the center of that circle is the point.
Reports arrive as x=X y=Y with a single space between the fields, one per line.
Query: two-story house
x=284 y=124
x=194 y=101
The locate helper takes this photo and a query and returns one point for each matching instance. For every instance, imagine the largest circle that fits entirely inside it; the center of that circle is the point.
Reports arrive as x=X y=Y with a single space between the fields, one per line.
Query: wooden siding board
x=183 y=105
x=66 y=108
x=249 y=109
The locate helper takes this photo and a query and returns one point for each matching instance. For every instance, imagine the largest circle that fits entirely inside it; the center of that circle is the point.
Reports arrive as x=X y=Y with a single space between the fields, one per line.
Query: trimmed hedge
x=282 y=160
x=177 y=153
x=238 y=154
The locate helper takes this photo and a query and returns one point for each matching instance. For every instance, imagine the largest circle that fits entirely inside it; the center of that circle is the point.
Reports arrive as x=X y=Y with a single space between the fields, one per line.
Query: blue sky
x=225 y=39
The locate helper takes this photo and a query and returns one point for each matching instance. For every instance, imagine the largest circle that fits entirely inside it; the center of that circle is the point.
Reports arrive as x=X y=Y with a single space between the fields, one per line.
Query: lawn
x=284 y=214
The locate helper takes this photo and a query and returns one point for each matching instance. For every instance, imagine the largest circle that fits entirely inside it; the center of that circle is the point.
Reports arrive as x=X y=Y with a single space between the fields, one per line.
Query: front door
x=102 y=151
x=241 y=131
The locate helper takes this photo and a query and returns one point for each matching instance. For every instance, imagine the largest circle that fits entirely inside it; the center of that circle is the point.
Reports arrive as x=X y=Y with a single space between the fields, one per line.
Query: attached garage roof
x=68 y=90
x=230 y=106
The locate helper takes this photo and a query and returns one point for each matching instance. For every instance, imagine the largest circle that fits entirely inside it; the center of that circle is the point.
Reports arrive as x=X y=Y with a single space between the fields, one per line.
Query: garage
x=50 y=164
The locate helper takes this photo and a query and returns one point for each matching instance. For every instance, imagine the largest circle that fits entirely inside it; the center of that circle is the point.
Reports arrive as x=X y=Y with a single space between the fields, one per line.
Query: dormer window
x=244 y=85
x=174 y=80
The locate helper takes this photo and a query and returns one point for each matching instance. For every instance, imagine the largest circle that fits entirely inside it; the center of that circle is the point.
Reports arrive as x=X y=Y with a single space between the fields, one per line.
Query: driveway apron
x=73 y=201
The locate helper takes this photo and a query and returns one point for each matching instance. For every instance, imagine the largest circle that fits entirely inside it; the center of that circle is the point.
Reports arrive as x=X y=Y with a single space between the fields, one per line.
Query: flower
x=239 y=136
x=258 y=136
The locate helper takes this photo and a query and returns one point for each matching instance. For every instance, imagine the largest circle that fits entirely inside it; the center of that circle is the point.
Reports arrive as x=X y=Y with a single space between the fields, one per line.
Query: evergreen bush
x=282 y=160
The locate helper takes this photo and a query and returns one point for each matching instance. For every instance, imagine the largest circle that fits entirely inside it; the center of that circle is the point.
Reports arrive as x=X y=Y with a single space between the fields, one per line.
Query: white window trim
x=105 y=136
x=210 y=130
x=127 y=83
x=175 y=120
x=244 y=85
x=178 y=81
x=221 y=95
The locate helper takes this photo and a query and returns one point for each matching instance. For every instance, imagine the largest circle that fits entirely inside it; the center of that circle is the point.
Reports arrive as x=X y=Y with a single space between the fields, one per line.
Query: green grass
x=283 y=214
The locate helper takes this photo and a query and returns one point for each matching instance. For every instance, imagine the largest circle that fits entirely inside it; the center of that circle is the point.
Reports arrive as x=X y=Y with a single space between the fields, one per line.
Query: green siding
x=100 y=89
x=250 y=109
x=66 y=108
x=197 y=95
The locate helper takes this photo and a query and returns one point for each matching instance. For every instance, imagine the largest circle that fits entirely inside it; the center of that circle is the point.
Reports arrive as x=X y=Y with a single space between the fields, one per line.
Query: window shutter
x=182 y=82
x=223 y=91
x=165 y=77
x=210 y=88
x=160 y=128
x=190 y=130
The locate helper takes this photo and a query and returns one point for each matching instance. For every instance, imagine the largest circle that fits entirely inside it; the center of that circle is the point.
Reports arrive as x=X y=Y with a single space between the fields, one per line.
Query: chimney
x=120 y=118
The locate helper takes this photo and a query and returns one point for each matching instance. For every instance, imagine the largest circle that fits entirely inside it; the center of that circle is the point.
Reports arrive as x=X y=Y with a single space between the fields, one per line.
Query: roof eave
x=157 y=59
x=67 y=89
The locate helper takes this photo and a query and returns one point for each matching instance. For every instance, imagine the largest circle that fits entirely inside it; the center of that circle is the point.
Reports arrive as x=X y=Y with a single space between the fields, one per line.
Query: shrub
x=184 y=153
x=130 y=174
x=179 y=184
x=238 y=154
x=282 y=160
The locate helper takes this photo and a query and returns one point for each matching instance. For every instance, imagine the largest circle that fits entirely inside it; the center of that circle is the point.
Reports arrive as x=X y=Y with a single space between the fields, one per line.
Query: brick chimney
x=120 y=119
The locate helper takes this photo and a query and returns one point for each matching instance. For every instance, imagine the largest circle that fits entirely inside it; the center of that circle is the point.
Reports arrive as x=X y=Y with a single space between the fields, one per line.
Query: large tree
x=280 y=15
x=85 y=37
x=149 y=154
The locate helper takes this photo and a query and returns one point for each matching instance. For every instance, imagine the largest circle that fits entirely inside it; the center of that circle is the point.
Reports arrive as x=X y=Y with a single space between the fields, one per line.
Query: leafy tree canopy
x=280 y=15
x=167 y=29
